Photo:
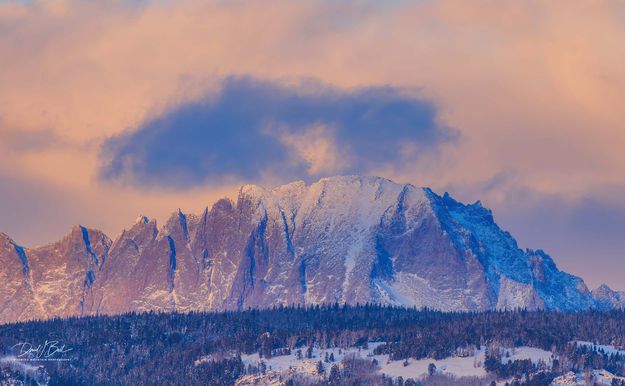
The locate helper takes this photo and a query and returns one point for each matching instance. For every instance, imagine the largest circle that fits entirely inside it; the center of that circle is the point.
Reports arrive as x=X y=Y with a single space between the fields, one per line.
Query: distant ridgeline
x=343 y=239
x=205 y=348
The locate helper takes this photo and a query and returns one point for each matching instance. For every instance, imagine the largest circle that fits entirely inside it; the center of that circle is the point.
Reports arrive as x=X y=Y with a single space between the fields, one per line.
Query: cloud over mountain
x=534 y=91
x=257 y=127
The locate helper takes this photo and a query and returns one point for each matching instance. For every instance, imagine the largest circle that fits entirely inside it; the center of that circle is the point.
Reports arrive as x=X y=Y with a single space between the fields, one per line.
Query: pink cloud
x=534 y=87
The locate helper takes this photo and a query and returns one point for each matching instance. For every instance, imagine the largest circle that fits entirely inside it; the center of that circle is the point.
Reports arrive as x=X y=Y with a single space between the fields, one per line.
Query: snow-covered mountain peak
x=603 y=288
x=290 y=188
x=341 y=239
x=607 y=298
x=355 y=179
x=252 y=190
x=178 y=222
x=142 y=219
x=80 y=233
x=141 y=223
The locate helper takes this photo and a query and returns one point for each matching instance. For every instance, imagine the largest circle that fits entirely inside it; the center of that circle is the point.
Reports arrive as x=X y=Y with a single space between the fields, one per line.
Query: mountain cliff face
x=342 y=239
x=607 y=298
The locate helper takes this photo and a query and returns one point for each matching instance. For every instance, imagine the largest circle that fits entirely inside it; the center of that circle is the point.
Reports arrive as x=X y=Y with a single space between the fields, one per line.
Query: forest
x=163 y=348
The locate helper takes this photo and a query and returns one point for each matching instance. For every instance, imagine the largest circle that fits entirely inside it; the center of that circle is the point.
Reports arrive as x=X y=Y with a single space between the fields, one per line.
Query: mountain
x=346 y=239
x=607 y=298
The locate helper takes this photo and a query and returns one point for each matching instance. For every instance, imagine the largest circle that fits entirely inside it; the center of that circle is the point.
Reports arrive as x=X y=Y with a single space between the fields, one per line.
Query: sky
x=113 y=109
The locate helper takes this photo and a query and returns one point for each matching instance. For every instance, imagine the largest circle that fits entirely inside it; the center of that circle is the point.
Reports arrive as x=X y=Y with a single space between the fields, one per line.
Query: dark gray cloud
x=237 y=134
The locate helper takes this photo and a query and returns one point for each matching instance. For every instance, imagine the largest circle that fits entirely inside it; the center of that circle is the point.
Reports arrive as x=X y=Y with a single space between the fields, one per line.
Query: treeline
x=155 y=348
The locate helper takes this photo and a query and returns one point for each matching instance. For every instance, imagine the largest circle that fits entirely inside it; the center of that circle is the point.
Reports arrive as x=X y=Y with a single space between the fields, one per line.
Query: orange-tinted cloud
x=535 y=88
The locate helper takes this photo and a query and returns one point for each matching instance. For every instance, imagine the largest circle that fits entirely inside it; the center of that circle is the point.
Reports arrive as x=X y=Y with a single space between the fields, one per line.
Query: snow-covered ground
x=604 y=377
x=606 y=348
x=599 y=377
x=533 y=353
x=458 y=366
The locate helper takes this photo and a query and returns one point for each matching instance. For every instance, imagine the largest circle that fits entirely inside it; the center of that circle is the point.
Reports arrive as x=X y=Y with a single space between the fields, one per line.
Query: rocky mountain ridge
x=349 y=239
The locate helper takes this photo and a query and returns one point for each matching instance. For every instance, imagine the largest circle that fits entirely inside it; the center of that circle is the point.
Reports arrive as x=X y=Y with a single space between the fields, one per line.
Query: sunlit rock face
x=54 y=280
x=343 y=239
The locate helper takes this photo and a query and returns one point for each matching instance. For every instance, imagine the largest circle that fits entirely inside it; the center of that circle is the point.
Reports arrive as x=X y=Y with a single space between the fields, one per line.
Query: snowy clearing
x=458 y=366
